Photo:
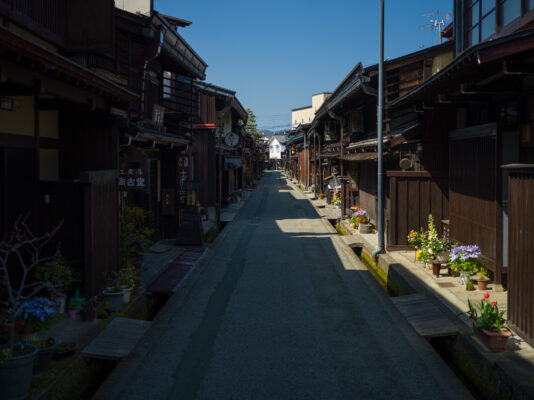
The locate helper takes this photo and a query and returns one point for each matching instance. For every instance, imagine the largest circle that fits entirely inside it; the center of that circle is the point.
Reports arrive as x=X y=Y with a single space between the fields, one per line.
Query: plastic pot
x=16 y=374
x=115 y=298
x=44 y=356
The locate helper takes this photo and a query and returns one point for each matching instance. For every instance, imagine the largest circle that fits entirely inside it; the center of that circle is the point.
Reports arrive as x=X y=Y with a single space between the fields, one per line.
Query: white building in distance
x=305 y=115
x=276 y=147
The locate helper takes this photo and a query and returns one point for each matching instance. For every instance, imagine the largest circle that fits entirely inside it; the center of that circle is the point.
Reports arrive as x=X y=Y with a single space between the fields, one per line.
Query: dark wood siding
x=472 y=195
x=521 y=250
x=413 y=195
x=101 y=209
x=368 y=195
x=46 y=18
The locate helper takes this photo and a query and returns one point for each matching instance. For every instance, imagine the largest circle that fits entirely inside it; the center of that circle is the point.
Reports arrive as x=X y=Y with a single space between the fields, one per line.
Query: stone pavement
x=281 y=309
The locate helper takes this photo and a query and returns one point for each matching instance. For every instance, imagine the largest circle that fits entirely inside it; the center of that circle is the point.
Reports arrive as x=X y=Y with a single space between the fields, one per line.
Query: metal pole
x=315 y=165
x=379 y=122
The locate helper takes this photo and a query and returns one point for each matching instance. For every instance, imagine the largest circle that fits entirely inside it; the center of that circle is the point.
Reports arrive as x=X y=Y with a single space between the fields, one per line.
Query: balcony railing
x=46 y=18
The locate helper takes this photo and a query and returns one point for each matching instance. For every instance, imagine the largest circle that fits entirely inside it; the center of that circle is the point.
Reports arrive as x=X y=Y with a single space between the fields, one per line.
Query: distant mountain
x=266 y=132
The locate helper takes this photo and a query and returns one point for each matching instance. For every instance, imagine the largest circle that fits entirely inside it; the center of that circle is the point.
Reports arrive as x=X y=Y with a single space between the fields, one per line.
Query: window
x=167 y=84
x=483 y=20
x=511 y=9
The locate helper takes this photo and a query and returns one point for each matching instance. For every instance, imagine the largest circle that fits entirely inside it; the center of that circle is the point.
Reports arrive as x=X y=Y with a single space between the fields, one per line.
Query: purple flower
x=361 y=213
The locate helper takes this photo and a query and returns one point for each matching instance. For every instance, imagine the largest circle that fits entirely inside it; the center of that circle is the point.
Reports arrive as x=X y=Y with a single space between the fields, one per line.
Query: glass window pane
x=511 y=9
x=531 y=5
x=475 y=14
x=474 y=36
x=487 y=26
x=487 y=6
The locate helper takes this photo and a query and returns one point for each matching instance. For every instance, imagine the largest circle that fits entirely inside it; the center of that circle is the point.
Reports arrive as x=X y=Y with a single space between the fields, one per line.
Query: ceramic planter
x=436 y=268
x=16 y=375
x=127 y=294
x=365 y=228
x=44 y=356
x=482 y=284
x=115 y=298
x=453 y=273
x=495 y=341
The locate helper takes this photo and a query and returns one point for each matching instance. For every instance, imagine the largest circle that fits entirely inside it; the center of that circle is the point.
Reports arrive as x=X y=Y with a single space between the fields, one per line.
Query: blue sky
x=276 y=54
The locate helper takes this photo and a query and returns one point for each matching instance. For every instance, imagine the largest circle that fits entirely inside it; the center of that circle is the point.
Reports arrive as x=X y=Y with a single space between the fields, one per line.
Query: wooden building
x=345 y=127
x=483 y=111
x=60 y=124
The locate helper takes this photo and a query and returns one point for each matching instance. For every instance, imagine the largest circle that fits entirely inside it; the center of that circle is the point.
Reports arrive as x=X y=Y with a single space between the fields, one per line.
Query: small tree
x=252 y=126
x=23 y=248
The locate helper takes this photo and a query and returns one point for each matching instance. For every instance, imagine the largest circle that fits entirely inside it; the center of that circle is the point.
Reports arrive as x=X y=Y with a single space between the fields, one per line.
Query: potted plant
x=59 y=274
x=45 y=352
x=465 y=260
x=88 y=311
x=73 y=304
x=136 y=236
x=126 y=281
x=489 y=323
x=113 y=292
x=482 y=278
x=321 y=195
x=23 y=249
x=363 y=221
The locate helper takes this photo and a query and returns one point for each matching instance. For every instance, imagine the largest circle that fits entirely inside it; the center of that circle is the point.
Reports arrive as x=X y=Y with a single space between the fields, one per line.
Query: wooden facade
x=413 y=195
x=521 y=266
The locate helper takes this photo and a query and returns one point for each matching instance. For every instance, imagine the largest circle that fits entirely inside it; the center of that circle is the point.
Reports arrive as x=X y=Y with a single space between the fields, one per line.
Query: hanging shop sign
x=132 y=179
x=183 y=174
x=231 y=139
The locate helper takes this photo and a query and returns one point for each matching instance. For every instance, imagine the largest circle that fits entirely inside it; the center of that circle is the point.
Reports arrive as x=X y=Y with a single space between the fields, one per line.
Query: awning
x=232 y=163
x=329 y=155
x=396 y=137
x=367 y=156
x=143 y=134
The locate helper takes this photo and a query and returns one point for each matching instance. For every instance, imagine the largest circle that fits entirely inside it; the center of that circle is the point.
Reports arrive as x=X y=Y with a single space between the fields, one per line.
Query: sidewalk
x=512 y=372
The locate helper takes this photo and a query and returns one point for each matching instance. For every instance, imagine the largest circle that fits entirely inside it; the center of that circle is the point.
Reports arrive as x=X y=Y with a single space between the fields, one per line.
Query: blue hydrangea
x=40 y=308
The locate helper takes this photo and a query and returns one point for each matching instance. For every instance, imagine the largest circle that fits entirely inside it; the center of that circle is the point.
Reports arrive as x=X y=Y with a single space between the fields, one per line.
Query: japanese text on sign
x=131 y=179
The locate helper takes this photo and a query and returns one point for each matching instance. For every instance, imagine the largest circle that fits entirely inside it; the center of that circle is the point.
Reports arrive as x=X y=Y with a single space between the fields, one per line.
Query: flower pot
x=16 y=374
x=72 y=314
x=127 y=294
x=436 y=268
x=452 y=273
x=87 y=316
x=442 y=257
x=365 y=228
x=495 y=341
x=44 y=356
x=115 y=298
x=482 y=285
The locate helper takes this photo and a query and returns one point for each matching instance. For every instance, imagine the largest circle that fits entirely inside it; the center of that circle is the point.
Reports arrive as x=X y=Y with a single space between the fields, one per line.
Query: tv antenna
x=435 y=23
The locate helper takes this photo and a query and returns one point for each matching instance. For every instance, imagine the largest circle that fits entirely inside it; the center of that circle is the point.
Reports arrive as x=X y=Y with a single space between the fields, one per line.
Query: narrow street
x=280 y=310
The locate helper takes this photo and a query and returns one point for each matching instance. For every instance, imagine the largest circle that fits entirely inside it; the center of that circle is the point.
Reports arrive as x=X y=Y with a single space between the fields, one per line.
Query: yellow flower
x=418 y=255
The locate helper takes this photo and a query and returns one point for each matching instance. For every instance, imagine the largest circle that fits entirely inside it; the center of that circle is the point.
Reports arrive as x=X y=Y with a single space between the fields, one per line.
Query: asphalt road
x=280 y=310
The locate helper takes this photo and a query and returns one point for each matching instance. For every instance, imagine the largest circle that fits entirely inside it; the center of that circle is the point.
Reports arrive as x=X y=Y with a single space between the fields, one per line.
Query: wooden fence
x=413 y=195
x=521 y=252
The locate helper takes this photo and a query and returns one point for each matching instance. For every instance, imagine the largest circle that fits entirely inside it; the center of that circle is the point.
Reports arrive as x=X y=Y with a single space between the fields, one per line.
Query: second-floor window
x=484 y=18
x=167 y=84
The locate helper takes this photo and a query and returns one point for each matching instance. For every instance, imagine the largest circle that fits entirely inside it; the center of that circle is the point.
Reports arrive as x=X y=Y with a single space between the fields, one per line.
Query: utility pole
x=379 y=122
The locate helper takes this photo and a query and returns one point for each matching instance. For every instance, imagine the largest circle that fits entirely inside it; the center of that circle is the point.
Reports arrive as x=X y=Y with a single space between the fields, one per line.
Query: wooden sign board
x=168 y=203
